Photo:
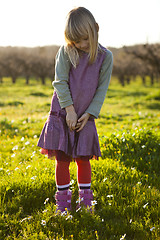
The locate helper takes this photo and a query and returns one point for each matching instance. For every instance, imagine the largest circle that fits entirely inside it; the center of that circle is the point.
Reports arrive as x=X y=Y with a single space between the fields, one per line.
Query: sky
x=33 y=23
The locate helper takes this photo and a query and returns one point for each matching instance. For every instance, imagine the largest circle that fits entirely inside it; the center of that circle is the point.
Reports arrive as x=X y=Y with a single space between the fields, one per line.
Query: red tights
x=63 y=175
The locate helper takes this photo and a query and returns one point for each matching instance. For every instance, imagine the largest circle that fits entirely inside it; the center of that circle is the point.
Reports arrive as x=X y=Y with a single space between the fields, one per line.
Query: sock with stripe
x=83 y=173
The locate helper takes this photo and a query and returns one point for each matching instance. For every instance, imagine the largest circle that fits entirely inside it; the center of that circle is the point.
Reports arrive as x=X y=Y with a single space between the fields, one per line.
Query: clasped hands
x=72 y=120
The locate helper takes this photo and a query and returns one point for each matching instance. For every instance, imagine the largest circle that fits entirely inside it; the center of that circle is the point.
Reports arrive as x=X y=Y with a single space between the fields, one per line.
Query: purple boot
x=85 y=197
x=63 y=200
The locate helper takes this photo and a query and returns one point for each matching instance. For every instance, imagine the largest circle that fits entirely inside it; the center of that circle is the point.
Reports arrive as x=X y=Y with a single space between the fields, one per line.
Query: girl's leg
x=83 y=173
x=84 y=182
x=62 y=175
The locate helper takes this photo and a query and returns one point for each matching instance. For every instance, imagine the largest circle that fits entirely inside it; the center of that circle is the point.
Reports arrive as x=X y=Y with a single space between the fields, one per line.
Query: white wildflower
x=27 y=143
x=93 y=203
x=139 y=183
x=152 y=229
x=71 y=182
x=104 y=179
x=132 y=168
x=13 y=155
x=16 y=130
x=109 y=196
x=69 y=217
x=110 y=204
x=123 y=237
x=133 y=134
x=16 y=168
x=24 y=122
x=102 y=220
x=79 y=200
x=33 y=178
x=143 y=146
x=15 y=148
x=130 y=220
x=44 y=211
x=64 y=213
x=1 y=169
x=12 y=121
x=79 y=209
x=28 y=166
x=145 y=205
x=26 y=218
x=43 y=222
x=35 y=136
x=47 y=199
x=22 y=139
x=33 y=154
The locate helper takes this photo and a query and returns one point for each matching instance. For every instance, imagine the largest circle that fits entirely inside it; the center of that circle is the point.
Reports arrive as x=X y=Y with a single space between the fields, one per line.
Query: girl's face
x=82 y=44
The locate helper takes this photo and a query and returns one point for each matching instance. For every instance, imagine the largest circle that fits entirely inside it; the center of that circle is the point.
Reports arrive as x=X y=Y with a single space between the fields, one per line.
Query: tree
x=149 y=55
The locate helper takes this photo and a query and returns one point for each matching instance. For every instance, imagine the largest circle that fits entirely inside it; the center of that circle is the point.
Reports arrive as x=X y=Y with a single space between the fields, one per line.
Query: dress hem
x=50 y=153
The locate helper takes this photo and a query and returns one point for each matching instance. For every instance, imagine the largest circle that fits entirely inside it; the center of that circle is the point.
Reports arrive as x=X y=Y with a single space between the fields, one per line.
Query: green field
x=125 y=181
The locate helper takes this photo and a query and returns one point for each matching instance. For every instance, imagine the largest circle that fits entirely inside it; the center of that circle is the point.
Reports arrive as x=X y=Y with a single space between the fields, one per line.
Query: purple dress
x=83 y=82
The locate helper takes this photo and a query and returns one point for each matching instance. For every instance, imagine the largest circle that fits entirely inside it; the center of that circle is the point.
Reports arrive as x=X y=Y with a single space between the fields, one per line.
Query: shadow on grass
x=135 y=149
x=153 y=106
x=116 y=117
x=117 y=93
x=30 y=197
x=2 y=104
x=39 y=94
x=13 y=103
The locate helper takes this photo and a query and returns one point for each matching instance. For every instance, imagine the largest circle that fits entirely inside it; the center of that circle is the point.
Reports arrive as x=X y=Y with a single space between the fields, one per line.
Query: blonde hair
x=81 y=24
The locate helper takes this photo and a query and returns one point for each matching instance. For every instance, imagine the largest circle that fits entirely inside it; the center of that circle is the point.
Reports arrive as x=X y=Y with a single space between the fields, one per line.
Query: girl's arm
x=61 y=87
x=60 y=83
x=104 y=79
x=71 y=117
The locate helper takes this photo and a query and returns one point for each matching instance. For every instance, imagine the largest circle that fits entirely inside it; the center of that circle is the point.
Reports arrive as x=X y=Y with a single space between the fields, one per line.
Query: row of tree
x=138 y=60
x=29 y=63
x=39 y=62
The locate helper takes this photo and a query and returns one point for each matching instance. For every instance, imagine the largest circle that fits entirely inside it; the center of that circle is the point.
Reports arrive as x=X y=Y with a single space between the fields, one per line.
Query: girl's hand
x=82 y=121
x=71 y=117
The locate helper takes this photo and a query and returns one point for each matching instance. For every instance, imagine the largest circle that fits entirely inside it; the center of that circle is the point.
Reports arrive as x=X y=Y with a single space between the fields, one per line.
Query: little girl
x=82 y=74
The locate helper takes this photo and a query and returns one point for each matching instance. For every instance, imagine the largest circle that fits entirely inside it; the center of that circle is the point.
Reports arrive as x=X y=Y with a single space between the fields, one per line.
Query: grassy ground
x=125 y=181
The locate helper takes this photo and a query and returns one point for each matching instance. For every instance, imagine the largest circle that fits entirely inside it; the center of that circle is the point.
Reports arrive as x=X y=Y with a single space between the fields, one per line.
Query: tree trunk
x=128 y=79
x=27 y=80
x=152 y=79
x=13 y=79
x=121 y=79
x=43 y=80
x=144 y=80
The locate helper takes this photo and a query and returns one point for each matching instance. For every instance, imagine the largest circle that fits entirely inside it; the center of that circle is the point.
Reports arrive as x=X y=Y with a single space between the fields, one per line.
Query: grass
x=125 y=181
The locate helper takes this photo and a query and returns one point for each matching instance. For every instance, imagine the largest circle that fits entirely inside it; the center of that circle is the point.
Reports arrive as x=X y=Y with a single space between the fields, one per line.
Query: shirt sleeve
x=60 y=84
x=103 y=83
